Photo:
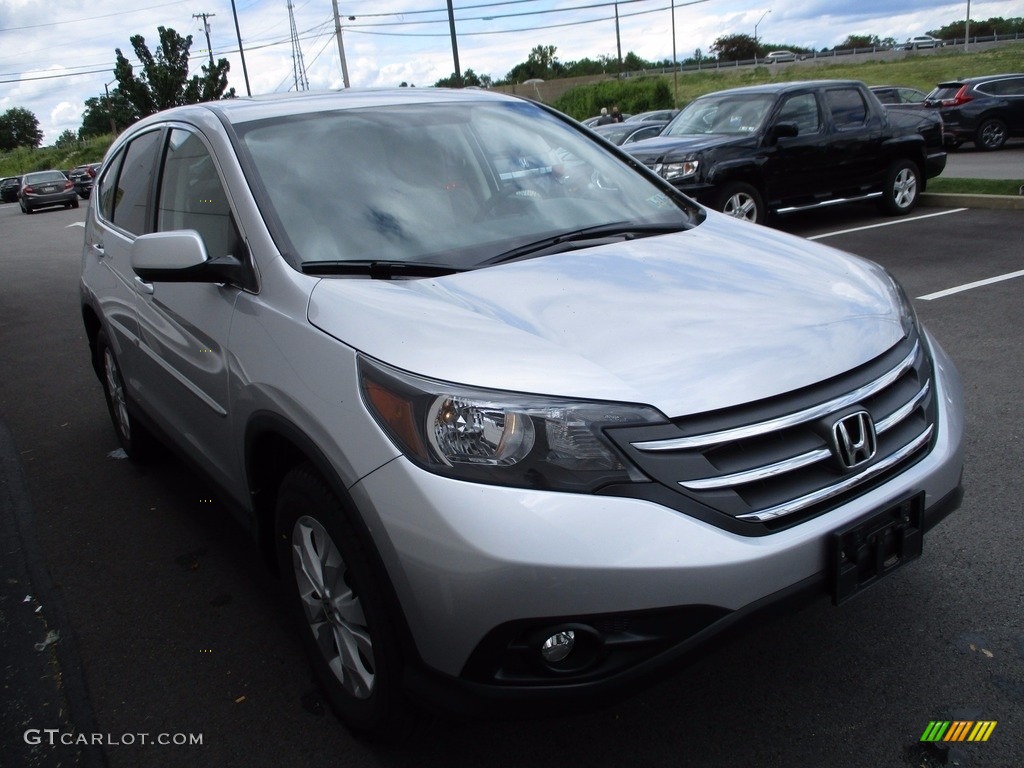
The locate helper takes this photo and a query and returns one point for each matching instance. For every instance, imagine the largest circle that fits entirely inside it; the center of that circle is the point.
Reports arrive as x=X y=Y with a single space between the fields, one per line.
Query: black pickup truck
x=783 y=147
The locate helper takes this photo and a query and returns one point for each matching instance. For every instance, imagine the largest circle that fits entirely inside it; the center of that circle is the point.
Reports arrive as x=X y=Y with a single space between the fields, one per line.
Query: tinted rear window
x=44 y=176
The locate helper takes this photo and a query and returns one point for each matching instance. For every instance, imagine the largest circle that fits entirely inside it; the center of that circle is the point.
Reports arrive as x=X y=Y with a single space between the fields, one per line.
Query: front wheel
x=742 y=201
x=339 y=606
x=991 y=135
x=902 y=188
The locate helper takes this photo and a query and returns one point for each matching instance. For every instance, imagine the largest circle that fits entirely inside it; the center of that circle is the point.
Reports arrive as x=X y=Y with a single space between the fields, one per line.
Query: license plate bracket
x=874 y=547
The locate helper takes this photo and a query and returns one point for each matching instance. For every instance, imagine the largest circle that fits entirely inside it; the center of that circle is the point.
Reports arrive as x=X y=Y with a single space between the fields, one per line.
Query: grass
x=974 y=186
x=916 y=70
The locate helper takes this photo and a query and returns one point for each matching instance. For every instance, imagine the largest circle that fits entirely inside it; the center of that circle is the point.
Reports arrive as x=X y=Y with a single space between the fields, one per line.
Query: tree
x=67 y=138
x=860 y=41
x=543 y=57
x=19 y=128
x=164 y=80
x=106 y=114
x=734 y=48
x=469 y=78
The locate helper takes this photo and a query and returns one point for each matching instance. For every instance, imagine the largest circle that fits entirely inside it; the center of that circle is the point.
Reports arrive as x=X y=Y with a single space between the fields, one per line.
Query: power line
x=90 y=18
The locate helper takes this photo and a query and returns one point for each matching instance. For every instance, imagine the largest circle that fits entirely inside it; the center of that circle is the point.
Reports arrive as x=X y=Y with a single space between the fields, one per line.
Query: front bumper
x=481 y=572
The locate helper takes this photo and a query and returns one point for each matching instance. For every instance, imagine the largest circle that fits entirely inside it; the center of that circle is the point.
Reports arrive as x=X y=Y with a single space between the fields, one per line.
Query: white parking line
x=76 y=224
x=887 y=223
x=969 y=286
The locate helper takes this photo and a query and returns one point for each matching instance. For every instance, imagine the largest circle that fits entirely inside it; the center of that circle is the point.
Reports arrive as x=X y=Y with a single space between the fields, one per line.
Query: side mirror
x=181 y=257
x=783 y=131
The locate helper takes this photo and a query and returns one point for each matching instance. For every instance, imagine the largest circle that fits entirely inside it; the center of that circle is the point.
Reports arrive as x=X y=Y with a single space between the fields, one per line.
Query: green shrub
x=640 y=94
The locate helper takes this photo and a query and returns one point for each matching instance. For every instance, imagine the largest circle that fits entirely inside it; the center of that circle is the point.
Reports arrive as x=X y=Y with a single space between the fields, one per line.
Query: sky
x=53 y=56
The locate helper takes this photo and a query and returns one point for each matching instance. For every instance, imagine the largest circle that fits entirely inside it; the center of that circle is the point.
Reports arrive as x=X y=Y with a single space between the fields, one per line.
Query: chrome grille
x=774 y=462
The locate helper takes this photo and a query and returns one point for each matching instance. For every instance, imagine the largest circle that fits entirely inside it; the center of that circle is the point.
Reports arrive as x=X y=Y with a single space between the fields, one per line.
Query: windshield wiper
x=379 y=270
x=621 y=230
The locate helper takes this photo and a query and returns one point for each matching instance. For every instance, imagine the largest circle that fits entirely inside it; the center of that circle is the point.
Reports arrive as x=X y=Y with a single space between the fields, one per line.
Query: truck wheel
x=902 y=188
x=991 y=134
x=339 y=607
x=742 y=201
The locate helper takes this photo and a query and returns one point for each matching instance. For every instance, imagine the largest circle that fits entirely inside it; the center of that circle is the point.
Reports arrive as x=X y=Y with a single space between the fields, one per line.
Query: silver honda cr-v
x=517 y=421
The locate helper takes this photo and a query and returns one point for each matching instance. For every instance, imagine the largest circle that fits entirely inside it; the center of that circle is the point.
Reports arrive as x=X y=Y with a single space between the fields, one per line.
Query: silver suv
x=516 y=420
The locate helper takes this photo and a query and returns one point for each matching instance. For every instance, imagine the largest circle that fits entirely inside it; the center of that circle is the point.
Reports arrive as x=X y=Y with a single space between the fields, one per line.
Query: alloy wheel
x=904 y=191
x=118 y=400
x=332 y=609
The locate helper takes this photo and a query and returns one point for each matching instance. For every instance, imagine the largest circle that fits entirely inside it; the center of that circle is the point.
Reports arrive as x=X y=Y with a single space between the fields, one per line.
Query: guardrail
x=711 y=64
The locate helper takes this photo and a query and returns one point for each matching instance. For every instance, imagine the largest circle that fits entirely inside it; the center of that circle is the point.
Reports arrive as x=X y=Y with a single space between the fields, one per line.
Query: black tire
x=25 y=208
x=339 y=607
x=902 y=188
x=135 y=439
x=742 y=201
x=991 y=134
x=74 y=203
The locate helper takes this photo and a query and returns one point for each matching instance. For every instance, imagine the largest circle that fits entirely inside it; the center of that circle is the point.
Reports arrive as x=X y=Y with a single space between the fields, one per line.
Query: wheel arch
x=274 y=447
x=92 y=324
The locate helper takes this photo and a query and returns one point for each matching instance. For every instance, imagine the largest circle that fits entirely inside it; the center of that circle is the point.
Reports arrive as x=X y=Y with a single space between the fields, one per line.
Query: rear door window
x=847 y=107
x=130 y=201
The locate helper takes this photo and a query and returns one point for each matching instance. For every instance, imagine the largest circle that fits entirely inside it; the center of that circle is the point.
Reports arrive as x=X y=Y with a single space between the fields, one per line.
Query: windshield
x=445 y=184
x=727 y=114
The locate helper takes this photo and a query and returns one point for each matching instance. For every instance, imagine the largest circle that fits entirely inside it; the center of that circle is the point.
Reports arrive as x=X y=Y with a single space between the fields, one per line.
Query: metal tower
x=298 y=65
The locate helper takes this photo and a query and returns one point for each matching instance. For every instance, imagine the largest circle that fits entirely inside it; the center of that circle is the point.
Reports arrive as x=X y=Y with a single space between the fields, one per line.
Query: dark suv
x=82 y=177
x=986 y=110
x=9 y=188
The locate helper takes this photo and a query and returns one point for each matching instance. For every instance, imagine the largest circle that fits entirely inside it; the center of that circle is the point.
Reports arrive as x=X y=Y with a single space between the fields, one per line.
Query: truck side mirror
x=783 y=131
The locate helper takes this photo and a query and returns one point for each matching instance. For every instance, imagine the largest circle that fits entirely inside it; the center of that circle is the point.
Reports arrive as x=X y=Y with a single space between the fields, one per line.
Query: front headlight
x=678 y=170
x=502 y=438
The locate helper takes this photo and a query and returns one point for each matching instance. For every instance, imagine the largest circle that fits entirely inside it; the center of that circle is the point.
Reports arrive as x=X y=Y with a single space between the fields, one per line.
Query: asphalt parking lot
x=168 y=627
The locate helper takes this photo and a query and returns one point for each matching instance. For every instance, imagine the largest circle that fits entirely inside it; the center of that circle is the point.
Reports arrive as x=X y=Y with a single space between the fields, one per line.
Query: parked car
x=9 y=189
x=922 y=41
x=655 y=115
x=985 y=110
x=518 y=422
x=628 y=132
x=45 y=189
x=783 y=147
x=774 y=57
x=900 y=96
x=82 y=176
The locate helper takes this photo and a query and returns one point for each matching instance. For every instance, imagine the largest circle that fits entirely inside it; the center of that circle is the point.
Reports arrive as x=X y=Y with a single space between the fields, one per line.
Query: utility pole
x=618 y=39
x=238 y=33
x=341 y=44
x=206 y=26
x=455 y=45
x=967 y=28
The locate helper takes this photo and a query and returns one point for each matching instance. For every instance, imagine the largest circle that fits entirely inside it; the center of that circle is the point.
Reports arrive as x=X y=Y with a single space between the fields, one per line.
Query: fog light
x=557 y=647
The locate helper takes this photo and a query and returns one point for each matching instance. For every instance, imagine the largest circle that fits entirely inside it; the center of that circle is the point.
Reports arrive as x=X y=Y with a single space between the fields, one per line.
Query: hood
x=652 y=150
x=725 y=313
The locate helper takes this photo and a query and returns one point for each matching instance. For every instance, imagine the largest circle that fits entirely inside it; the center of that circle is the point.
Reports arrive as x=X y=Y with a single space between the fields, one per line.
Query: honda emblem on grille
x=854 y=439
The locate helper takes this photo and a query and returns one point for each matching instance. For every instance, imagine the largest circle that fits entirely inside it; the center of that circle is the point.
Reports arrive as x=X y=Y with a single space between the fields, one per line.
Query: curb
x=992 y=202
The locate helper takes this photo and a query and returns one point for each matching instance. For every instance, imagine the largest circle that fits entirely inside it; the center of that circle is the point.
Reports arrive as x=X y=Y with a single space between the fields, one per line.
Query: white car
x=518 y=423
x=922 y=41
x=777 y=56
